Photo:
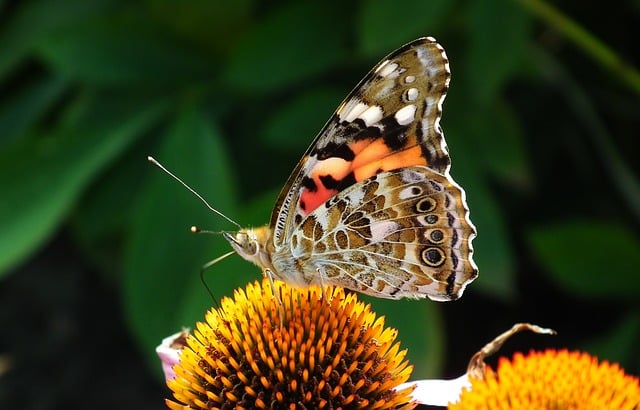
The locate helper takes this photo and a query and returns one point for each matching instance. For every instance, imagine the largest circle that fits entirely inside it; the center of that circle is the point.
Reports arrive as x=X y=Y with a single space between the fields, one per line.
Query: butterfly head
x=250 y=244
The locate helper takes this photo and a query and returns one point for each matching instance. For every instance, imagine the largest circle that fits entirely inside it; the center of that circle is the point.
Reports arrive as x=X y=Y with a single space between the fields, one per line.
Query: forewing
x=391 y=120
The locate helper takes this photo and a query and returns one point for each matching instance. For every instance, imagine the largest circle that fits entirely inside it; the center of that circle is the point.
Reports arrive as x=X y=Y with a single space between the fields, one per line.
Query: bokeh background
x=96 y=260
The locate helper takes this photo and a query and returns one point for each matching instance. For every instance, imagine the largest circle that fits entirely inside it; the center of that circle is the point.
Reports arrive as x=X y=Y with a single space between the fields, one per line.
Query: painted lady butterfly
x=371 y=206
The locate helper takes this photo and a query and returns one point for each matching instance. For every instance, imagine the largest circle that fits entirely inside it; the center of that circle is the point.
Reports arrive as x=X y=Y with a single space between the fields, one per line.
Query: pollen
x=552 y=380
x=304 y=349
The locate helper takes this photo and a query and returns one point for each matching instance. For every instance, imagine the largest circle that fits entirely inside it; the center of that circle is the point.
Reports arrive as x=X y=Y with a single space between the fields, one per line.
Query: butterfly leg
x=321 y=275
x=269 y=274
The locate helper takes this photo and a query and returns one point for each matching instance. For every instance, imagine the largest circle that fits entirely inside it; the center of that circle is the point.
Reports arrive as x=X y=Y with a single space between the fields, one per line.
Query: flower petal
x=169 y=352
x=437 y=392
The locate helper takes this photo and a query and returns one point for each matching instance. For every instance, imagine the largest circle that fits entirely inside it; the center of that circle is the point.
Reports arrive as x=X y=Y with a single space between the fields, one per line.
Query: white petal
x=169 y=353
x=437 y=392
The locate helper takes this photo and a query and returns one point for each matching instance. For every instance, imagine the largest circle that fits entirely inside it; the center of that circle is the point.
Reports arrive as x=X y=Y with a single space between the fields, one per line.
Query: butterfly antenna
x=195 y=229
x=207 y=266
x=204 y=201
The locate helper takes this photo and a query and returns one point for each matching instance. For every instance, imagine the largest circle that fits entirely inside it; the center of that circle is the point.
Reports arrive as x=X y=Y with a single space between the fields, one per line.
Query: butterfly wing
x=400 y=233
x=389 y=122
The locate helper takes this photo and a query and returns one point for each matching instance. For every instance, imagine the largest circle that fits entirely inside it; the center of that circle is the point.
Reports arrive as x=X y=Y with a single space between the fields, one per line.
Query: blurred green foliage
x=228 y=94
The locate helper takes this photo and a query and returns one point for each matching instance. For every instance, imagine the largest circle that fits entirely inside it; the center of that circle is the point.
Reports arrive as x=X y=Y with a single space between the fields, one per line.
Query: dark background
x=96 y=260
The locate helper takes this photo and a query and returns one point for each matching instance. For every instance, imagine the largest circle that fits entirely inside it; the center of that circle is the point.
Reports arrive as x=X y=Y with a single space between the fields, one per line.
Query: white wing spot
x=352 y=110
x=406 y=114
x=382 y=229
x=371 y=115
x=412 y=94
x=431 y=102
x=355 y=198
x=409 y=79
x=387 y=68
x=410 y=176
x=425 y=58
x=409 y=193
x=382 y=65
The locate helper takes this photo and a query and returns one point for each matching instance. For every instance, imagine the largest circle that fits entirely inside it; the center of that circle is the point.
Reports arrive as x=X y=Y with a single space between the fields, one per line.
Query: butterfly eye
x=251 y=247
x=247 y=242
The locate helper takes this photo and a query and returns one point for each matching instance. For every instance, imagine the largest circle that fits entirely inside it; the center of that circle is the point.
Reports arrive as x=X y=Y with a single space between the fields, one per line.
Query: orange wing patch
x=371 y=156
x=320 y=186
x=377 y=157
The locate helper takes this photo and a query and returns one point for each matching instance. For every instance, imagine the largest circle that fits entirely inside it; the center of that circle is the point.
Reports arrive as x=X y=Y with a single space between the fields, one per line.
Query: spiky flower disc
x=552 y=380
x=302 y=351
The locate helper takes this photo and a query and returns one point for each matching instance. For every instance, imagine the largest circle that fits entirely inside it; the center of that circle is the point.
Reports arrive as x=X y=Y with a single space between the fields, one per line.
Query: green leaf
x=383 y=24
x=420 y=330
x=490 y=133
x=34 y=20
x=20 y=113
x=258 y=211
x=162 y=288
x=40 y=179
x=293 y=126
x=506 y=155
x=589 y=258
x=213 y=25
x=120 y=49
x=104 y=213
x=294 y=43
x=499 y=35
x=621 y=344
x=492 y=249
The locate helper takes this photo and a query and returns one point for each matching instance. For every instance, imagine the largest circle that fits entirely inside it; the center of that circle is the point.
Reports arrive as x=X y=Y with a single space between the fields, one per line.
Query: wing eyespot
x=425 y=205
x=433 y=257
x=436 y=236
x=431 y=219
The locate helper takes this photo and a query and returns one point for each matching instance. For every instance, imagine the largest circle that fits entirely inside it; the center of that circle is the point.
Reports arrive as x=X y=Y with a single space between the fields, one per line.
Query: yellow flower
x=302 y=351
x=554 y=380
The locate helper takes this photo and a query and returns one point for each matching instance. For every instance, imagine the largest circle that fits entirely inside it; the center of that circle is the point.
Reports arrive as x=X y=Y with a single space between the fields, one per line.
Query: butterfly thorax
x=256 y=246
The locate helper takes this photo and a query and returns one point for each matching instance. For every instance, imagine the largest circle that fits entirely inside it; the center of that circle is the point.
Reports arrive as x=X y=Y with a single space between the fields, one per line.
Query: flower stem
x=590 y=44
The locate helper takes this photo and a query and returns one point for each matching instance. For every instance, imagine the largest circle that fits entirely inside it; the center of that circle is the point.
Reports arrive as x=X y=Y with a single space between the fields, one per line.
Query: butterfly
x=371 y=205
